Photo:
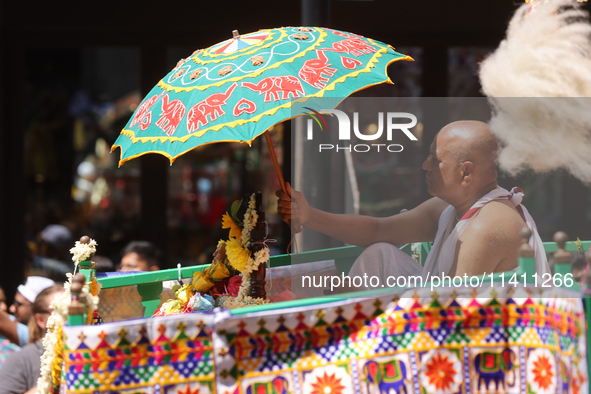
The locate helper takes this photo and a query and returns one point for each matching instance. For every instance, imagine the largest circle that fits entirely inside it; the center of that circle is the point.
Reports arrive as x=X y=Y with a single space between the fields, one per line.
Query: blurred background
x=72 y=74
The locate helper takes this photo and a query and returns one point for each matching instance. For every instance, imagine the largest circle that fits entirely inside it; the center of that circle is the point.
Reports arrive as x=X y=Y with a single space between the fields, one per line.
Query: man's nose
x=12 y=309
x=426 y=164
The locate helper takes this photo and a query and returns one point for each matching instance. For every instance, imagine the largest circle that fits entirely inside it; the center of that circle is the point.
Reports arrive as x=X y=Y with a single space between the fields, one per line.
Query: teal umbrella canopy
x=237 y=89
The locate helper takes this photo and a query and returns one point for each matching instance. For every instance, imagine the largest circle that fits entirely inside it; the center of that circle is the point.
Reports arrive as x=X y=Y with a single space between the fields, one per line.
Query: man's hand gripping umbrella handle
x=287 y=208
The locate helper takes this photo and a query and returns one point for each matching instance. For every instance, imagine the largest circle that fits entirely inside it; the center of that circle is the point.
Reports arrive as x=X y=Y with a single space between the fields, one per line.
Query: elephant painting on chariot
x=277 y=385
x=494 y=365
x=382 y=377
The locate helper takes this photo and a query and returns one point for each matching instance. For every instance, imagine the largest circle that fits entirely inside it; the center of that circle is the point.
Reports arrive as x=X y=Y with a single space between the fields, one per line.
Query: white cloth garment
x=383 y=259
x=442 y=254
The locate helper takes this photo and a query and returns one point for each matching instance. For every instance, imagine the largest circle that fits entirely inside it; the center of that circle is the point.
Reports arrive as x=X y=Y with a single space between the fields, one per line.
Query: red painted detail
x=171 y=115
x=286 y=85
x=142 y=116
x=244 y=105
x=349 y=63
x=261 y=36
x=211 y=106
x=145 y=123
x=223 y=47
x=506 y=356
x=373 y=369
x=390 y=369
x=315 y=72
x=278 y=385
x=352 y=46
x=490 y=360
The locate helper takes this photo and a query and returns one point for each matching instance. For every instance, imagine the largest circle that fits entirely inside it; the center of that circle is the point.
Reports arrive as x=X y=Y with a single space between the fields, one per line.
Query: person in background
x=6 y=347
x=15 y=327
x=103 y=264
x=3 y=306
x=56 y=241
x=140 y=256
x=20 y=372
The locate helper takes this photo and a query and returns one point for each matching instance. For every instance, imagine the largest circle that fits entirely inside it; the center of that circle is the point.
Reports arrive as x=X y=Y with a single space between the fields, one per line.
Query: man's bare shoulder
x=496 y=228
x=499 y=218
x=491 y=240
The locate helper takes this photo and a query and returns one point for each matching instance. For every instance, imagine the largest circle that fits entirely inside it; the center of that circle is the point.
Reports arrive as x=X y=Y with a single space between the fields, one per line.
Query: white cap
x=34 y=286
x=56 y=234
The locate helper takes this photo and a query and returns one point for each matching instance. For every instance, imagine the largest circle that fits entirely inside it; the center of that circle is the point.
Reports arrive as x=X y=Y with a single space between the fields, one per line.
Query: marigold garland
x=49 y=381
x=94 y=288
x=57 y=362
x=238 y=255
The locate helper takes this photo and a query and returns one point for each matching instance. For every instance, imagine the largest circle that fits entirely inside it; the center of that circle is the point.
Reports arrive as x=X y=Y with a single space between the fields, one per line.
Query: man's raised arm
x=8 y=328
x=416 y=225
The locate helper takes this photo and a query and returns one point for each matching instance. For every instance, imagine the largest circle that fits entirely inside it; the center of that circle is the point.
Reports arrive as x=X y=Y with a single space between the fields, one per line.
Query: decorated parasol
x=237 y=89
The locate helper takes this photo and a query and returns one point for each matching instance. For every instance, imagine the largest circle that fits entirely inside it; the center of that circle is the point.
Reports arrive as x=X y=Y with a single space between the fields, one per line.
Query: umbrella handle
x=296 y=228
x=275 y=162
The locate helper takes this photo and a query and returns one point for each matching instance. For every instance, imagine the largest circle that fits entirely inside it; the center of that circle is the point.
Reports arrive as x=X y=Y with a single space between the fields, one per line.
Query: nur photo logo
x=394 y=122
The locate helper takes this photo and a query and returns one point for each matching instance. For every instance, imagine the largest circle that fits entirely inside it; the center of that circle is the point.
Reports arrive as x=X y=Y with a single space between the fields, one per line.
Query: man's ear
x=467 y=171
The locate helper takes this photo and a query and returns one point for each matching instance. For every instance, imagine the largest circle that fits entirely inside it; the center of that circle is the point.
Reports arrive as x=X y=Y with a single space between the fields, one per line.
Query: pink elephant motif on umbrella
x=272 y=87
x=315 y=72
x=211 y=106
x=171 y=115
x=352 y=46
x=143 y=115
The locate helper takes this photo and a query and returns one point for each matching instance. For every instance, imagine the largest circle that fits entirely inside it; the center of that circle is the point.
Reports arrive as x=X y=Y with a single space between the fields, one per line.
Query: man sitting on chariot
x=473 y=223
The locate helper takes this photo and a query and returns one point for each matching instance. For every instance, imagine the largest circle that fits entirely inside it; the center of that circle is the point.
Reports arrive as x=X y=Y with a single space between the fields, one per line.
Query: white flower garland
x=59 y=315
x=83 y=252
x=250 y=219
x=260 y=257
x=58 y=318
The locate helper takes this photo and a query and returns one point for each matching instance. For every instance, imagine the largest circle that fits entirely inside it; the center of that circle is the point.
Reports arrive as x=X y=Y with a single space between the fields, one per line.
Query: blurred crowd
x=23 y=322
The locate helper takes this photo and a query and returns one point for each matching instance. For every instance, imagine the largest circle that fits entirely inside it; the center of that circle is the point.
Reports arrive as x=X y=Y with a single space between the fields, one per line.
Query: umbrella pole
x=296 y=227
x=275 y=162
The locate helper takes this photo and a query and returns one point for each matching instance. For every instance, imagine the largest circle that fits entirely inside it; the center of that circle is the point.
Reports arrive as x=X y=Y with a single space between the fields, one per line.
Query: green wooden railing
x=150 y=283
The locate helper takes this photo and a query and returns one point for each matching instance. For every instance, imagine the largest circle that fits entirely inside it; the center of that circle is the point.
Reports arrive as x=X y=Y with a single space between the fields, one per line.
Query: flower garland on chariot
x=226 y=282
x=52 y=359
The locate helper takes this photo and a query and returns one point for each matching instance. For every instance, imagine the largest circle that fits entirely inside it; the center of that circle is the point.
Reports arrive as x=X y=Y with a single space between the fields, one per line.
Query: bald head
x=470 y=140
x=462 y=162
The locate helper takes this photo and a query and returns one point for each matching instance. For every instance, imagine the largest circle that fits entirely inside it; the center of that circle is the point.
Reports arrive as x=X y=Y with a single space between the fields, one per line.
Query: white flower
x=83 y=252
x=250 y=219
